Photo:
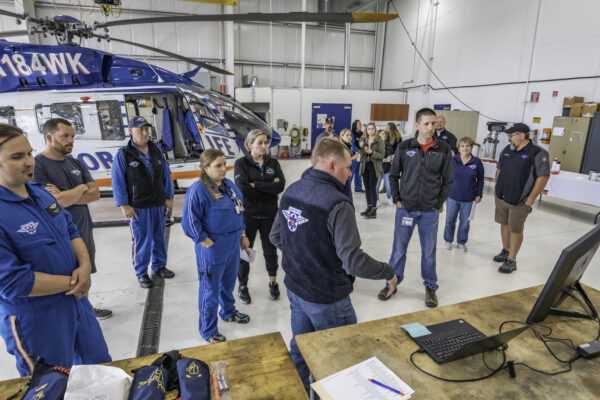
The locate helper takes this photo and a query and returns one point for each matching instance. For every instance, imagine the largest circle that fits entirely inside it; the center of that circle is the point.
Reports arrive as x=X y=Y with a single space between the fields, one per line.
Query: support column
x=347 y=57
x=27 y=6
x=229 y=52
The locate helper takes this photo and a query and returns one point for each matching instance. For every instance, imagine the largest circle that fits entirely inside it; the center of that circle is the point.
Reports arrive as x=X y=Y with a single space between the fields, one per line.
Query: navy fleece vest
x=312 y=268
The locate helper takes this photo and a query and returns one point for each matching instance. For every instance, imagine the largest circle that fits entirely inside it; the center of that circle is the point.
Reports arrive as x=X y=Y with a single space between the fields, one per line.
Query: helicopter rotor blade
x=22 y=32
x=12 y=14
x=170 y=54
x=336 y=18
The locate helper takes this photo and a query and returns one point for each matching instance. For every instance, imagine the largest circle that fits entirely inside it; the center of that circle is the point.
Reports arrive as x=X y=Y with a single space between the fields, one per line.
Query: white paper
x=353 y=383
x=472 y=215
x=248 y=255
x=97 y=382
x=558 y=131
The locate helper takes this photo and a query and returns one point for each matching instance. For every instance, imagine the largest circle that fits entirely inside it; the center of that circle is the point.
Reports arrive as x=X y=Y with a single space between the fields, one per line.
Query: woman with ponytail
x=213 y=218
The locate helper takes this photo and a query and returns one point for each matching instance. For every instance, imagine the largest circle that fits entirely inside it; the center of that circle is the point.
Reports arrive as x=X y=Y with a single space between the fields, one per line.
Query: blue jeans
x=355 y=168
x=386 y=182
x=462 y=210
x=311 y=317
x=427 y=221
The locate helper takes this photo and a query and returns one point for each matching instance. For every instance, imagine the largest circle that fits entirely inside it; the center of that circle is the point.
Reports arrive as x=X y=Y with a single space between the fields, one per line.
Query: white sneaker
x=390 y=201
x=462 y=247
x=448 y=245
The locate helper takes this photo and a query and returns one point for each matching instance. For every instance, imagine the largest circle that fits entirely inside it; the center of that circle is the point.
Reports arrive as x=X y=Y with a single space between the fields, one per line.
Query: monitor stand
x=567 y=292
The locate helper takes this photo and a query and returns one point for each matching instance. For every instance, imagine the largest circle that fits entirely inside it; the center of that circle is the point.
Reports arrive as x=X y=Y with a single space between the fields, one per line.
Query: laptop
x=456 y=339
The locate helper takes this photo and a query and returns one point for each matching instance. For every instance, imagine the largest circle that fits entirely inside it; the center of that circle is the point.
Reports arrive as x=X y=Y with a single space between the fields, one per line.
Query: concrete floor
x=462 y=276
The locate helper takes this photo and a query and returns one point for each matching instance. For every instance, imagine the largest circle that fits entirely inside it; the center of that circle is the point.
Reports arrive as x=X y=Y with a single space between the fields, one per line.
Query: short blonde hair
x=326 y=148
x=251 y=137
x=466 y=140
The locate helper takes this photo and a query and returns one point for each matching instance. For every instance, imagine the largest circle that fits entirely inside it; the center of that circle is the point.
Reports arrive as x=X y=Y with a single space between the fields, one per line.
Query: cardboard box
x=569 y=101
x=576 y=110
x=589 y=109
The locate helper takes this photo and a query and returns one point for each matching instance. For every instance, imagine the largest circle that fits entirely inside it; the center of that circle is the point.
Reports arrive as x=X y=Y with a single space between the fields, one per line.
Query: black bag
x=151 y=382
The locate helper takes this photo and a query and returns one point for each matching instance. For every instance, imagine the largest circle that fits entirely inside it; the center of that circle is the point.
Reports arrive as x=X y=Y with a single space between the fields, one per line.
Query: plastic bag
x=97 y=382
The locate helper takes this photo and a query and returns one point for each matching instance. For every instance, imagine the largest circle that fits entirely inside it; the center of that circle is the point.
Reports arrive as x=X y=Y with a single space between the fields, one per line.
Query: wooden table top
x=330 y=351
x=260 y=368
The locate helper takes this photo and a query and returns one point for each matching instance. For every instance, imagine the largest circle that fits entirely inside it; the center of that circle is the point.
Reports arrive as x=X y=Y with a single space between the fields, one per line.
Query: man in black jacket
x=425 y=166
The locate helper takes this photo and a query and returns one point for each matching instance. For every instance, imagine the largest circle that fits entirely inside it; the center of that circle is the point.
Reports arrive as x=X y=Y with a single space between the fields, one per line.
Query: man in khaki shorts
x=523 y=171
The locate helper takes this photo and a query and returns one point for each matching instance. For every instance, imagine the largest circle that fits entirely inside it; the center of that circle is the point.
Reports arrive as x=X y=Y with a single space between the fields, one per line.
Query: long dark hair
x=355 y=125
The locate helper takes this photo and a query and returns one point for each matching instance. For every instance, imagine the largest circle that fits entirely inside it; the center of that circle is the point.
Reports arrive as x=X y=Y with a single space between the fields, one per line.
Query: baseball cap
x=329 y=120
x=518 y=127
x=138 y=122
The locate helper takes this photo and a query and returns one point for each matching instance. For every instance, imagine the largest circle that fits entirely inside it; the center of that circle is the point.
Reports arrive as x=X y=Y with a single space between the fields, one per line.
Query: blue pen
x=386 y=387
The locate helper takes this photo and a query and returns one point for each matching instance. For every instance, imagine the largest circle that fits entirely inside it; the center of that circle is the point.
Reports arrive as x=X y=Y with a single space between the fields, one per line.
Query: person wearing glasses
x=523 y=170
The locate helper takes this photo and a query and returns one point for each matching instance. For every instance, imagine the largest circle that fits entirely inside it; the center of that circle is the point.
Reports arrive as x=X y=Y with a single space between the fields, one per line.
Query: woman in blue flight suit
x=212 y=217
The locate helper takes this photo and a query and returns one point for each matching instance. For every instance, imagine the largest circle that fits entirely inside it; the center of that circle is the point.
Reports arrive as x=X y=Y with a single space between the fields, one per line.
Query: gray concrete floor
x=462 y=276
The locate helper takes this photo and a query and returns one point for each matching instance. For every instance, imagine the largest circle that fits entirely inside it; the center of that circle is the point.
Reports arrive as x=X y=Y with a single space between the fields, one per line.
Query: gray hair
x=251 y=137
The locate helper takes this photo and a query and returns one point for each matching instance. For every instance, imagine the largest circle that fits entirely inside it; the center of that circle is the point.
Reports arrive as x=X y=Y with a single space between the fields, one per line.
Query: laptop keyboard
x=443 y=347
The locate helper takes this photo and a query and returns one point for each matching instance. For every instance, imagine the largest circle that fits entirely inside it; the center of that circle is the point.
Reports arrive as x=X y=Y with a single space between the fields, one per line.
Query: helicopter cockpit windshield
x=240 y=119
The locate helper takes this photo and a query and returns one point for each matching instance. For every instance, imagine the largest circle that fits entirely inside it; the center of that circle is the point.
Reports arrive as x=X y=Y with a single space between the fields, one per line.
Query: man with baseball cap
x=327 y=130
x=142 y=187
x=523 y=171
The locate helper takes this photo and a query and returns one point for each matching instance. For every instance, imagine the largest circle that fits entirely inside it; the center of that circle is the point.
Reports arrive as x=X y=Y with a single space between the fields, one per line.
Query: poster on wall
x=321 y=120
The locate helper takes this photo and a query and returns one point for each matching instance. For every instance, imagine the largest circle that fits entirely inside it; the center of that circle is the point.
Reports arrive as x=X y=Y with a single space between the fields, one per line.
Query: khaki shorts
x=513 y=216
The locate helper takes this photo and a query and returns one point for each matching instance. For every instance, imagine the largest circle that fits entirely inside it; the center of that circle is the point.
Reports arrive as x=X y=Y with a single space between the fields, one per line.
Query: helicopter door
x=213 y=133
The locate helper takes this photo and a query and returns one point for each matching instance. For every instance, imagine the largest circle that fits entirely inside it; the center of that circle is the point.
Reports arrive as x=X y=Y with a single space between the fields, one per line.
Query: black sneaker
x=102 y=313
x=431 y=299
x=274 y=290
x=366 y=212
x=216 y=338
x=165 y=273
x=508 y=266
x=244 y=295
x=502 y=256
x=145 y=281
x=359 y=190
x=239 y=317
x=372 y=214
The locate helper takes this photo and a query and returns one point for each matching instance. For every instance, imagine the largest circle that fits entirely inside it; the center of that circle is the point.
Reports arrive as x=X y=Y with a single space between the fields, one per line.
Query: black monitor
x=564 y=280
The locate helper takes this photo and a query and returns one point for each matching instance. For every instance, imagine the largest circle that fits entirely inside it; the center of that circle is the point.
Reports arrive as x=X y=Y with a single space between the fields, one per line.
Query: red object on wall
x=555 y=93
x=535 y=97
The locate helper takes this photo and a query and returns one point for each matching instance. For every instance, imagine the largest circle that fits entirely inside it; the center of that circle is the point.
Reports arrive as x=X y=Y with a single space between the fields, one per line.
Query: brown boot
x=430 y=298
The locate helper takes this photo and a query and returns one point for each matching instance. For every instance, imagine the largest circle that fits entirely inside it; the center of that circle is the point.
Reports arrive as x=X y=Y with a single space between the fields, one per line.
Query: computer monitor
x=564 y=280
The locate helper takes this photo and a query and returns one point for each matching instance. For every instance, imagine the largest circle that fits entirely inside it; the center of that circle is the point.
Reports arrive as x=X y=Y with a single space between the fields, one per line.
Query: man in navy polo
x=523 y=171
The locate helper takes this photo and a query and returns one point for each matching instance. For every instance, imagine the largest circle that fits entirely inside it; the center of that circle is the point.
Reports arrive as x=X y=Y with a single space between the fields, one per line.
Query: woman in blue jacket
x=467 y=190
x=213 y=218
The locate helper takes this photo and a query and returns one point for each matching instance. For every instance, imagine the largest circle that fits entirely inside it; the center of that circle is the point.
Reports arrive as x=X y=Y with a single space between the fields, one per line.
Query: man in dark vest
x=142 y=187
x=319 y=275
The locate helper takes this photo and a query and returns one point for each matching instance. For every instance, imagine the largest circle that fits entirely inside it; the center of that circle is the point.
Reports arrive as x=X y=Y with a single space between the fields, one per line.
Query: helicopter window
x=204 y=111
x=111 y=121
x=69 y=111
x=7 y=116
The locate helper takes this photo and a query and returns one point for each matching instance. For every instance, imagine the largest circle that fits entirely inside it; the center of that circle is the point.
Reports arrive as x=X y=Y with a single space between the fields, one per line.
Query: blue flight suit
x=148 y=229
x=35 y=236
x=218 y=265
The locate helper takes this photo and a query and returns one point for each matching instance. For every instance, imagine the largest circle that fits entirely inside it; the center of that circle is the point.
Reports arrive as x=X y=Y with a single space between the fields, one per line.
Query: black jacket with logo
x=260 y=200
x=426 y=178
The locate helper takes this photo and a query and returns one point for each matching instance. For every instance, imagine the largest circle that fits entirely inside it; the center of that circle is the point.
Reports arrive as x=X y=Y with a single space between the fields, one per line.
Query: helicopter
x=99 y=92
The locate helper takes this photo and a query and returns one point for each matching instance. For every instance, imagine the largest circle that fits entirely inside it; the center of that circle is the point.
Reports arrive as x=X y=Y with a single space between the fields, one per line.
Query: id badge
x=407 y=221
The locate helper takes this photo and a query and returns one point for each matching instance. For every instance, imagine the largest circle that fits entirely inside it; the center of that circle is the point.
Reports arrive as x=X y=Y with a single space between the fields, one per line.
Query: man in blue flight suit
x=142 y=187
x=44 y=270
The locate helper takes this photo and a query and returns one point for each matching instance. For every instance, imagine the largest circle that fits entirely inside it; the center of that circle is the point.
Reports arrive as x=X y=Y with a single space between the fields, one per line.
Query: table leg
x=540 y=199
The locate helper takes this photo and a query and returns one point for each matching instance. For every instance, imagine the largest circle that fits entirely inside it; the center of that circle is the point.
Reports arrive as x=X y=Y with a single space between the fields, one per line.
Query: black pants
x=370 y=179
x=262 y=225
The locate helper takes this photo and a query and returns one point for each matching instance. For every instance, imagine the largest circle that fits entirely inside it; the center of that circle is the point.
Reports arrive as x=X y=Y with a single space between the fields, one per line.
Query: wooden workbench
x=327 y=352
x=260 y=368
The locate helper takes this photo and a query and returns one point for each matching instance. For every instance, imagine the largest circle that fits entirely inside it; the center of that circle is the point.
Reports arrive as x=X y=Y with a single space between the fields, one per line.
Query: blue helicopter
x=98 y=92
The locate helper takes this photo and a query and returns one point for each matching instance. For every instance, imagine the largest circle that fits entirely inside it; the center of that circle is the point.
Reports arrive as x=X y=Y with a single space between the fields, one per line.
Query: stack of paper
x=353 y=383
